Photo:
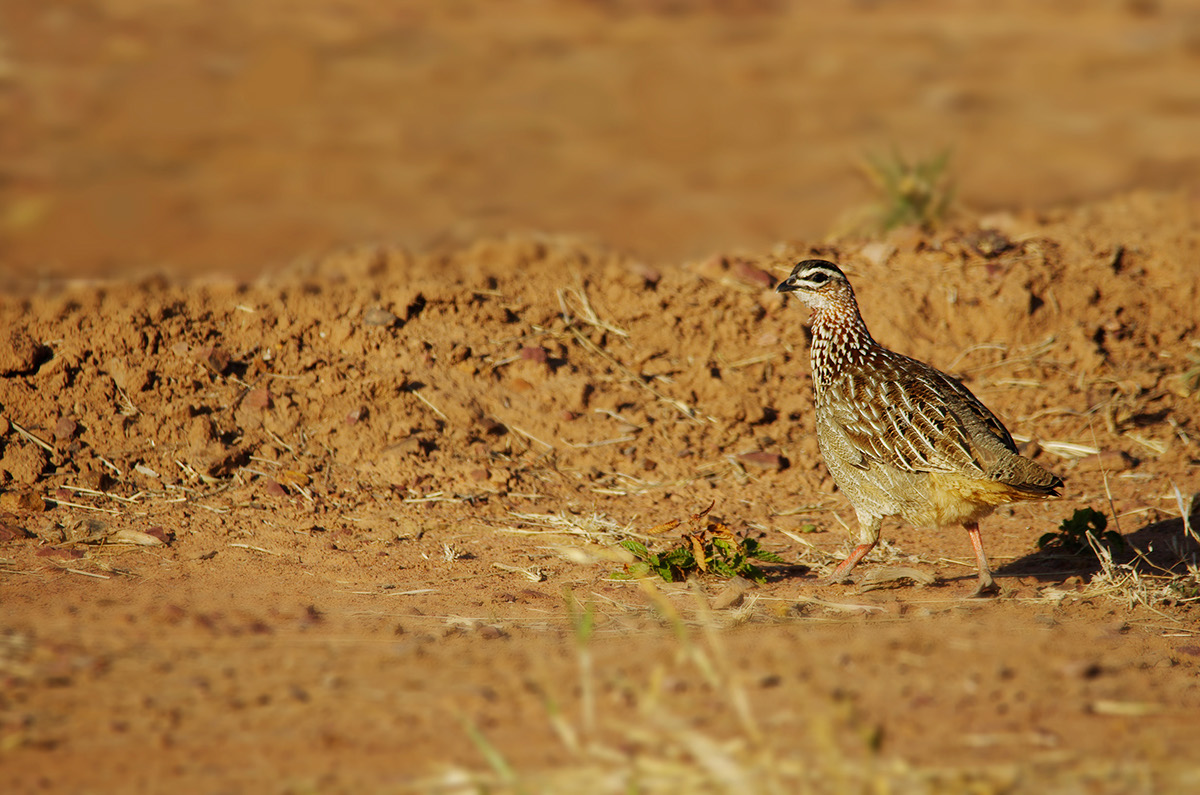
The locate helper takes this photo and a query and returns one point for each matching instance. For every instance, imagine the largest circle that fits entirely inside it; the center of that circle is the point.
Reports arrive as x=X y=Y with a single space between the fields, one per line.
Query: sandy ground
x=304 y=517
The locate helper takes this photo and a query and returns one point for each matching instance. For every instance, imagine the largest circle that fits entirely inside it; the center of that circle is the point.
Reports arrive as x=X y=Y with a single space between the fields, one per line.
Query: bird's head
x=819 y=284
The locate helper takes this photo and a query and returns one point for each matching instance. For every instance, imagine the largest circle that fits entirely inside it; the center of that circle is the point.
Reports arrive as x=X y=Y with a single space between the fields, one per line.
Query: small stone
x=356 y=416
x=489 y=632
x=65 y=429
x=377 y=316
x=93 y=479
x=259 y=398
x=275 y=490
x=534 y=353
x=764 y=459
x=480 y=474
x=215 y=358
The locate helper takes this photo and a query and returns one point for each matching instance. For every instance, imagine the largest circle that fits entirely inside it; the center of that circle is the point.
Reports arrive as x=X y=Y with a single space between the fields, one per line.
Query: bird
x=902 y=438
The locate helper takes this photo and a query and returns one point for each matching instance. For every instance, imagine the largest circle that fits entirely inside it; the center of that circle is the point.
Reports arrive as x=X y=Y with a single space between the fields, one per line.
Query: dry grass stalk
x=87 y=574
x=31 y=436
x=69 y=504
x=257 y=549
x=601 y=443
x=588 y=314
x=1185 y=512
x=429 y=404
x=529 y=436
x=95 y=493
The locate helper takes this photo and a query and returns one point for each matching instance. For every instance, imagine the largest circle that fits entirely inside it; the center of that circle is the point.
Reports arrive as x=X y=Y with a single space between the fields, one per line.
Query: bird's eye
x=818 y=278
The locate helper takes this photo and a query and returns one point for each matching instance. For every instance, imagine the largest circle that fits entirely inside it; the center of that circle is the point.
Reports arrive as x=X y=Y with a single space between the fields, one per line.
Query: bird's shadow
x=1160 y=549
x=1157 y=549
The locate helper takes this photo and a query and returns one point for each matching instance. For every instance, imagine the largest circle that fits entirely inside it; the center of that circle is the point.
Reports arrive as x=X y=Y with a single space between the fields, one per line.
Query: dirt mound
x=481 y=370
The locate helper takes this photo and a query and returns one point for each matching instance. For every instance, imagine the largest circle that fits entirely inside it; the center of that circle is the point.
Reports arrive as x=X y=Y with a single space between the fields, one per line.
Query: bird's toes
x=985 y=590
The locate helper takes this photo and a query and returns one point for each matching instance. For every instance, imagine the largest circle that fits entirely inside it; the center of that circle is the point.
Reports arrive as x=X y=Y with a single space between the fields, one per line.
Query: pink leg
x=842 y=572
x=987 y=585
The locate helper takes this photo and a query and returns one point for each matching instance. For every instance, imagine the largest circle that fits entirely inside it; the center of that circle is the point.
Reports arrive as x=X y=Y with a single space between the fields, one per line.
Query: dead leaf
x=162 y=534
x=664 y=527
x=698 y=551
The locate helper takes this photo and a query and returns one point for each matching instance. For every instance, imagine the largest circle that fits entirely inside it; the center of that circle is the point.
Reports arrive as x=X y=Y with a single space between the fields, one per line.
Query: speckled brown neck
x=839 y=339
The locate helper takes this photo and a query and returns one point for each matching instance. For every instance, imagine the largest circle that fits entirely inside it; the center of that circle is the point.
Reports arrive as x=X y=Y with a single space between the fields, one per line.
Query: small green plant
x=711 y=547
x=1072 y=534
x=911 y=193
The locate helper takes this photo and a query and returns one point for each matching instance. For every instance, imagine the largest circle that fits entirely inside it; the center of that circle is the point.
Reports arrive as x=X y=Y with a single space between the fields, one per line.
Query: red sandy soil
x=320 y=530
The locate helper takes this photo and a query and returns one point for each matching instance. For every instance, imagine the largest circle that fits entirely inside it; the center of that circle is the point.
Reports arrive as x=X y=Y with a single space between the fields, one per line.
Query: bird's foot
x=987 y=588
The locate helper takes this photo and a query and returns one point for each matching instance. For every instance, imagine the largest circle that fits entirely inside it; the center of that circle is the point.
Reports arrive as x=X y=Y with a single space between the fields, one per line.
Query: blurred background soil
x=341 y=343
x=192 y=137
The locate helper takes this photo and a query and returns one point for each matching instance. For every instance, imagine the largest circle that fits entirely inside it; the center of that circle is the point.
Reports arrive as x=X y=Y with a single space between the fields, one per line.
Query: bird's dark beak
x=786 y=286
